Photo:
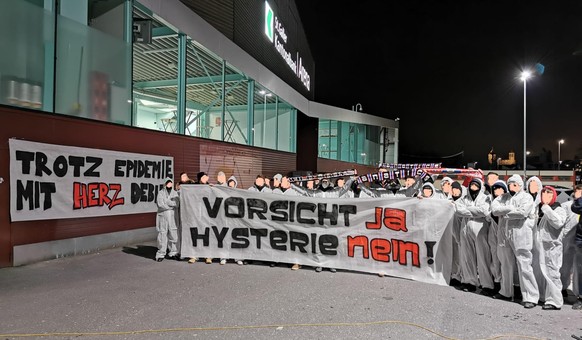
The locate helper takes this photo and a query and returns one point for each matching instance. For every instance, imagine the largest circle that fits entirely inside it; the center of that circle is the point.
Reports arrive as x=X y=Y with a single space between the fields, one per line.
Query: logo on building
x=275 y=32
x=269 y=22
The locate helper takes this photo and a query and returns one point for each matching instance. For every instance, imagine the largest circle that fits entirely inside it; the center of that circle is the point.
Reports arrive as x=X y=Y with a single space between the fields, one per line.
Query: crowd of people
x=511 y=239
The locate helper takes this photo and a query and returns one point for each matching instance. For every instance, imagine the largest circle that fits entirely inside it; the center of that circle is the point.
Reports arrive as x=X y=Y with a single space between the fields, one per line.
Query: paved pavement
x=123 y=294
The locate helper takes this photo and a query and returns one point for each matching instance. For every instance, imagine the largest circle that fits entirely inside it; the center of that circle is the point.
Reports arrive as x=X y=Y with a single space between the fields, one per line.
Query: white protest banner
x=50 y=181
x=404 y=237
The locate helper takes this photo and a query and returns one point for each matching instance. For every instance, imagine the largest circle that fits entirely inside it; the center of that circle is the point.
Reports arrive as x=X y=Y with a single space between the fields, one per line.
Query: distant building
x=508 y=162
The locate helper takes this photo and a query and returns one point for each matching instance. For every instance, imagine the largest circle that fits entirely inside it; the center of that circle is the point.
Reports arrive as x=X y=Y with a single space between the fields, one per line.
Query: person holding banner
x=232 y=182
x=277 y=181
x=202 y=178
x=341 y=183
x=167 y=201
x=392 y=189
x=475 y=253
x=516 y=211
x=259 y=185
x=551 y=221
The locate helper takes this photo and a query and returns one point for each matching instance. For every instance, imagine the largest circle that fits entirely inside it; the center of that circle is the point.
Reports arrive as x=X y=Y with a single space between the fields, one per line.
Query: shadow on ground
x=149 y=252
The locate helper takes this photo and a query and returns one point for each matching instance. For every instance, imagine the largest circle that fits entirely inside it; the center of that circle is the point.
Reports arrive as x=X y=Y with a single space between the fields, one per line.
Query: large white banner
x=404 y=237
x=53 y=181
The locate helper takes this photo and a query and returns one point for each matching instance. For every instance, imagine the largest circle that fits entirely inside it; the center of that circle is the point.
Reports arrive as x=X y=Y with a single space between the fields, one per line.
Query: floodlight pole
x=524 y=131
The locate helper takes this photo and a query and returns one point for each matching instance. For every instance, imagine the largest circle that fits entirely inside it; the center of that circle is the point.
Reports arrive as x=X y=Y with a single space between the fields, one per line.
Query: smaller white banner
x=50 y=181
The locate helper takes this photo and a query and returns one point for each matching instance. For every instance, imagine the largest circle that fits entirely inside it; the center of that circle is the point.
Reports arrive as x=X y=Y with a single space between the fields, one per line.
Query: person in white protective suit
x=504 y=251
x=285 y=188
x=475 y=253
x=340 y=183
x=168 y=202
x=391 y=190
x=569 y=242
x=516 y=209
x=232 y=182
x=447 y=187
x=497 y=189
x=550 y=223
x=534 y=187
x=325 y=189
x=457 y=192
x=259 y=185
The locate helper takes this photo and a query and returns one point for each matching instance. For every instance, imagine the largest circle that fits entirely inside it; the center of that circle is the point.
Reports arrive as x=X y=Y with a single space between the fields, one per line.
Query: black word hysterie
x=280 y=210
x=277 y=239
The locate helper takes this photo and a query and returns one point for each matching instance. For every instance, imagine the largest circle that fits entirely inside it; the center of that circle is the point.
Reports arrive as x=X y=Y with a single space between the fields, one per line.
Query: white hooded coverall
x=550 y=242
x=166 y=223
x=517 y=218
x=475 y=253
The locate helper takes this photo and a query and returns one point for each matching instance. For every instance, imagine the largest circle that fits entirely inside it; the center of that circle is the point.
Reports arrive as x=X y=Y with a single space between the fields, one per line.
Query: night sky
x=450 y=71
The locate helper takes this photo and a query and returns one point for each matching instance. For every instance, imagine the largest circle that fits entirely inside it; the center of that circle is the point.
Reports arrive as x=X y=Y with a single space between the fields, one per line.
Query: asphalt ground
x=123 y=293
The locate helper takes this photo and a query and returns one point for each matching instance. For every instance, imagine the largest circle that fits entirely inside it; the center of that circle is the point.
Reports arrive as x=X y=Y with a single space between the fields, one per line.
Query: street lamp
x=560 y=142
x=525 y=75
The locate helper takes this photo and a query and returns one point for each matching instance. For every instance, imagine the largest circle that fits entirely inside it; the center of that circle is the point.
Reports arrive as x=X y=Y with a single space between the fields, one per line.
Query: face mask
x=260 y=187
x=169 y=189
x=456 y=198
x=511 y=192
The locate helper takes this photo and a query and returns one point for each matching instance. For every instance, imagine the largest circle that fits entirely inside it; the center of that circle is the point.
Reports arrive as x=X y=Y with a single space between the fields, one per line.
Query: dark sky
x=450 y=71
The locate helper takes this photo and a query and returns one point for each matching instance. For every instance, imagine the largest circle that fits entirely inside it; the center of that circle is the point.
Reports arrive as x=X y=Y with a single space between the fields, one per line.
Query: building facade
x=225 y=85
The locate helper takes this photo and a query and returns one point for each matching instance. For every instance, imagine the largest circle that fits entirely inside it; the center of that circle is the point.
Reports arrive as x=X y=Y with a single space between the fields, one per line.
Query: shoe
x=496 y=287
x=222 y=262
x=529 y=305
x=500 y=296
x=469 y=288
x=318 y=269
x=564 y=293
x=193 y=260
x=547 y=306
x=454 y=283
x=175 y=258
x=487 y=292
x=332 y=270
x=160 y=259
x=577 y=305
x=295 y=267
x=272 y=264
x=208 y=261
x=239 y=262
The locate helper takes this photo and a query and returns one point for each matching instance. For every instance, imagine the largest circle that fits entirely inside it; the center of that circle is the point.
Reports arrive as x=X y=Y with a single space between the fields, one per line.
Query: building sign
x=53 y=181
x=275 y=32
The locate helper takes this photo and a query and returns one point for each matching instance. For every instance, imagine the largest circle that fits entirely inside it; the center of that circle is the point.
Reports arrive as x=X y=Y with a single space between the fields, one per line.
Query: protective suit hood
x=427 y=185
x=537 y=198
x=515 y=178
x=232 y=178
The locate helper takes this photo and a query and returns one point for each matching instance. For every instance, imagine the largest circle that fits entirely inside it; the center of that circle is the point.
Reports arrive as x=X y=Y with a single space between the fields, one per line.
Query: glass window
x=92 y=77
x=265 y=114
x=286 y=127
x=155 y=78
x=27 y=54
